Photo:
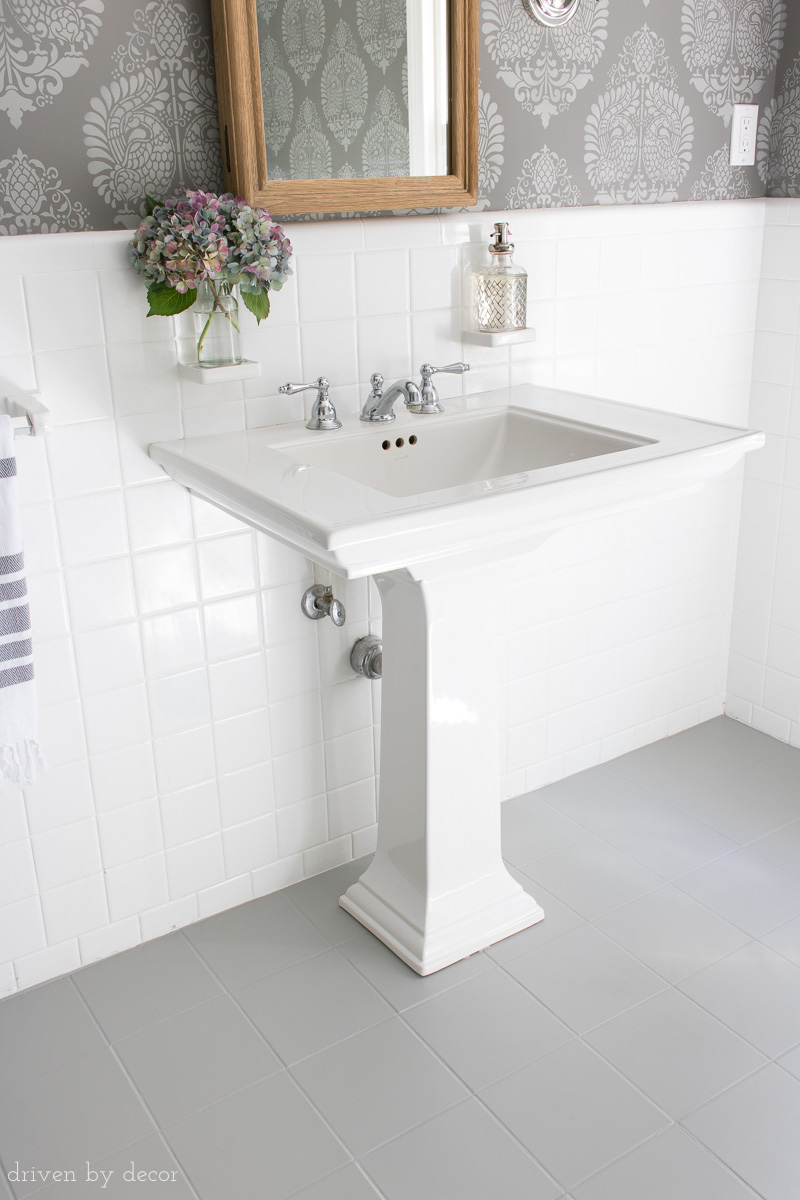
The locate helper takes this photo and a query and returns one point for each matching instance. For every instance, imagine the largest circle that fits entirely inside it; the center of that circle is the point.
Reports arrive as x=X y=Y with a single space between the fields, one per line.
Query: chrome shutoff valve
x=323 y=414
x=319 y=601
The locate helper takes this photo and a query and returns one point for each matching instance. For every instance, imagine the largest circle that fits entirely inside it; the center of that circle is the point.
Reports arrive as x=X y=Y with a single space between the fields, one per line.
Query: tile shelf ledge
x=504 y=337
x=246 y=369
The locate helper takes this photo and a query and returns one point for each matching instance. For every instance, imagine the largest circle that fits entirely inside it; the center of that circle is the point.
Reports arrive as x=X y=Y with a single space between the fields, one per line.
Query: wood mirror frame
x=241 y=122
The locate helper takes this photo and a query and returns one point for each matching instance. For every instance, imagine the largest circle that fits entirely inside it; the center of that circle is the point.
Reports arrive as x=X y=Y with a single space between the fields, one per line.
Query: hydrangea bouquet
x=199 y=238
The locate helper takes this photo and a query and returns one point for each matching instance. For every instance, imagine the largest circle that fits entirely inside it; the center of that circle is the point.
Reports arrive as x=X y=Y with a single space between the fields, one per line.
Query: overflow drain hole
x=386 y=445
x=412 y=441
x=399 y=443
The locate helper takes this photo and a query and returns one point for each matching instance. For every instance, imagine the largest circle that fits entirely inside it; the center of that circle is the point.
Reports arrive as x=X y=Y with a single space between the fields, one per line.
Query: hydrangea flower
x=198 y=238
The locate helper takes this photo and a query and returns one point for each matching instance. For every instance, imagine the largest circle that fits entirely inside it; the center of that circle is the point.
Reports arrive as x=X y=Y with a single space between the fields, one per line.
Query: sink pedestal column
x=437 y=890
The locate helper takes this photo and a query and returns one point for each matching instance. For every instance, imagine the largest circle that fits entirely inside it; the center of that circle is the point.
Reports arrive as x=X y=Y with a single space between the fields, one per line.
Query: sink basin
x=471 y=447
x=492 y=474
x=434 y=508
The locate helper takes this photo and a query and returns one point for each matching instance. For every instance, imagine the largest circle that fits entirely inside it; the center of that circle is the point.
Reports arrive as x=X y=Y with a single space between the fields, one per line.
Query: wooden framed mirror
x=240 y=36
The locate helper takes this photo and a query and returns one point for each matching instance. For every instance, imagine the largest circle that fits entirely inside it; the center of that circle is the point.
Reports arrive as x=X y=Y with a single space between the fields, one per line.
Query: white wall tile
x=237 y=686
x=64 y=310
x=100 y=594
x=83 y=458
x=194 y=866
x=326 y=287
x=184 y=759
x=251 y=846
x=122 y=777
x=74 y=908
x=13 y=318
x=178 y=702
x=158 y=515
x=190 y=814
x=245 y=795
x=136 y=887
x=74 y=384
x=130 y=833
x=92 y=527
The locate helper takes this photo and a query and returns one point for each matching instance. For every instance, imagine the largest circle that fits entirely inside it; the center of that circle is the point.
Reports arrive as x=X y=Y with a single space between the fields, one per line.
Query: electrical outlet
x=743 y=135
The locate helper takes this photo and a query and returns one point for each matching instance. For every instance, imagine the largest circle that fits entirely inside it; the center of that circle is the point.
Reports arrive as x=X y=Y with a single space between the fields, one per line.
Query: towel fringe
x=22 y=762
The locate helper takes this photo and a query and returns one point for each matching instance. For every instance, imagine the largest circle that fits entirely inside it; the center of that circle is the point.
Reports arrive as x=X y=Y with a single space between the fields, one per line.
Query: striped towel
x=20 y=755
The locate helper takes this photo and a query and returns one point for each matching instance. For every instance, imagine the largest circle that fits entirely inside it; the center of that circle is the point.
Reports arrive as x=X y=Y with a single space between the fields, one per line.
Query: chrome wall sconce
x=551 y=12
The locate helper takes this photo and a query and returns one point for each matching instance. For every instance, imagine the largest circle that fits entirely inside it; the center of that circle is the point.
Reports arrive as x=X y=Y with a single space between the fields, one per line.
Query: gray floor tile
x=791 y=1062
x=463 y=1153
x=753 y=1128
x=672 y=933
x=266 y=1141
x=196 y=1058
x=145 y=985
x=785 y=940
x=396 y=982
x=738 y=810
x=671 y=1166
x=464 y=1026
x=584 y=978
x=558 y=919
x=72 y=1115
x=667 y=769
x=312 y=1005
x=255 y=940
x=592 y=877
x=318 y=898
x=678 y=1054
x=42 y=1029
x=747 y=891
x=573 y=1112
x=348 y=1183
x=377 y=1085
x=131 y=1172
x=756 y=992
x=724 y=744
x=668 y=842
x=598 y=799
x=532 y=828
x=782 y=848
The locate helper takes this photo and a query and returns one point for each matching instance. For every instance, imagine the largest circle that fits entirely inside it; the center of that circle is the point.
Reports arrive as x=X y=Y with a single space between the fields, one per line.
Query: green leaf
x=152 y=204
x=257 y=304
x=166 y=302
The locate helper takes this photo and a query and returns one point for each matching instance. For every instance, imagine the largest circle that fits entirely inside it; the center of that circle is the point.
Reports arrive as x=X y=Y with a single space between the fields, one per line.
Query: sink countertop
x=259 y=475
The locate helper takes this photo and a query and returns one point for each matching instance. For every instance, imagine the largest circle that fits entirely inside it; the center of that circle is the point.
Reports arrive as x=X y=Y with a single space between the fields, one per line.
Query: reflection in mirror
x=354 y=88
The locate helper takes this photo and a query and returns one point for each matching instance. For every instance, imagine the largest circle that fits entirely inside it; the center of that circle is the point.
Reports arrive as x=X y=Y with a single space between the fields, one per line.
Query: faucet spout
x=380 y=404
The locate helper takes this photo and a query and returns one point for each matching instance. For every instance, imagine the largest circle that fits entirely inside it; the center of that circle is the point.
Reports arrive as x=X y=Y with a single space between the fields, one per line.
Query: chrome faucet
x=323 y=414
x=422 y=399
x=380 y=404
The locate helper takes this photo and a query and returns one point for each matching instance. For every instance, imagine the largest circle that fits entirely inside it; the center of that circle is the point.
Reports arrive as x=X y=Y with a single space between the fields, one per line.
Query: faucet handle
x=323 y=414
x=457 y=368
x=430 y=402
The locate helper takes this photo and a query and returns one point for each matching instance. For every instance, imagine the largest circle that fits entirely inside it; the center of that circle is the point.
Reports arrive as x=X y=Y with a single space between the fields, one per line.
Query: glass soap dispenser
x=501 y=289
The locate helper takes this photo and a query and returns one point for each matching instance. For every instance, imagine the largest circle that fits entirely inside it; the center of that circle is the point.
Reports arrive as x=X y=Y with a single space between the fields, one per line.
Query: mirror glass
x=354 y=89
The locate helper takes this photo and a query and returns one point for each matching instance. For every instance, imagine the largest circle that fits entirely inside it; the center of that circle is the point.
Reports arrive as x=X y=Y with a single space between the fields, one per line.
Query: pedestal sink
x=434 y=508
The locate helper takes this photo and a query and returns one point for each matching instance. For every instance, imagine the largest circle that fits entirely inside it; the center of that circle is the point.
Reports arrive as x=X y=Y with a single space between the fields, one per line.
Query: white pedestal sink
x=433 y=507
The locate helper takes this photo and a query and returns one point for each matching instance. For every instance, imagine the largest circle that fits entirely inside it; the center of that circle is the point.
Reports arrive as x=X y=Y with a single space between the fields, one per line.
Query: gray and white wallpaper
x=335 y=91
x=103 y=101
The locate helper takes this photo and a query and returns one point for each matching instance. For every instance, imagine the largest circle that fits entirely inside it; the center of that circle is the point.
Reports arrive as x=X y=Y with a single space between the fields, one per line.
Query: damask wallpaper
x=102 y=101
x=335 y=87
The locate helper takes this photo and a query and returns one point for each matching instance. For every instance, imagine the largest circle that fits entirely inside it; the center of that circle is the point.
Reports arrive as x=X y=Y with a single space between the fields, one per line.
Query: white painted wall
x=207 y=742
x=764 y=677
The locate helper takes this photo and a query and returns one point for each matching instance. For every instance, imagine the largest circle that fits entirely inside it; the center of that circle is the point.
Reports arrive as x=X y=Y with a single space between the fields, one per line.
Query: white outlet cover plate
x=744 y=128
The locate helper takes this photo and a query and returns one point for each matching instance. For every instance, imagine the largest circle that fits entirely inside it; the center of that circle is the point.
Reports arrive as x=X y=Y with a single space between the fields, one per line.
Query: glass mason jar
x=216 y=325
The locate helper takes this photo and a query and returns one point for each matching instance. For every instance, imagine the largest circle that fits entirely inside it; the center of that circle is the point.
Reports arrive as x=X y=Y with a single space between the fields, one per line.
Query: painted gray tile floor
x=642 y=1043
